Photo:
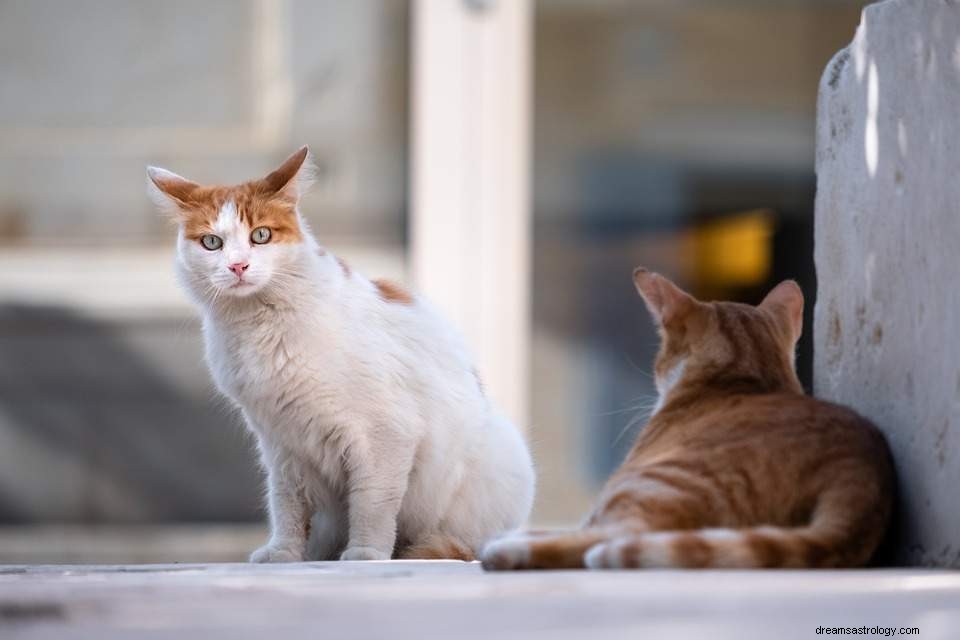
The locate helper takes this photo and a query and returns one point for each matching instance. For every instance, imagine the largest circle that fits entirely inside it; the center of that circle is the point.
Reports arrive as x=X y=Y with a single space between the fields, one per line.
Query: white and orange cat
x=737 y=468
x=371 y=421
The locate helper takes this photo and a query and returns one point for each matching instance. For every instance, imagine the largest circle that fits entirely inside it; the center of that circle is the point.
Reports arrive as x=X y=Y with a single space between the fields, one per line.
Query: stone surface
x=887 y=238
x=444 y=599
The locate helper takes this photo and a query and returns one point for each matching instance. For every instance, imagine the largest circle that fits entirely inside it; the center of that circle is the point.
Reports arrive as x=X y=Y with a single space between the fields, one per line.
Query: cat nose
x=238 y=268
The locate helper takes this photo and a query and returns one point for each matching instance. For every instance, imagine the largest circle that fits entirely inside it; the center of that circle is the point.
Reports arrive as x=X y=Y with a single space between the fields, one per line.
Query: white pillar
x=887 y=238
x=470 y=176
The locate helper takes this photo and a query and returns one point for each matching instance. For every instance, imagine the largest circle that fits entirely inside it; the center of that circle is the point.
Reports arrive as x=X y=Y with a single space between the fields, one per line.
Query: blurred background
x=678 y=135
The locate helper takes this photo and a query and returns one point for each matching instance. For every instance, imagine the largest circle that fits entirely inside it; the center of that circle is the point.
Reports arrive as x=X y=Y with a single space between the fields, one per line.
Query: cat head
x=235 y=241
x=723 y=344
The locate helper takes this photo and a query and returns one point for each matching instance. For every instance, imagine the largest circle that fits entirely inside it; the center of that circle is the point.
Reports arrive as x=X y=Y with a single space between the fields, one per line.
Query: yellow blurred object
x=734 y=251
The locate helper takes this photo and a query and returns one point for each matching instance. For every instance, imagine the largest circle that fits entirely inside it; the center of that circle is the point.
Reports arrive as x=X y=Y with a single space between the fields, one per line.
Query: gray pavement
x=443 y=599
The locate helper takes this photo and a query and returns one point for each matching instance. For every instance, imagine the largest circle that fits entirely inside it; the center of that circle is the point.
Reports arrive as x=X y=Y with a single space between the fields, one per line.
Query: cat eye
x=260 y=235
x=211 y=242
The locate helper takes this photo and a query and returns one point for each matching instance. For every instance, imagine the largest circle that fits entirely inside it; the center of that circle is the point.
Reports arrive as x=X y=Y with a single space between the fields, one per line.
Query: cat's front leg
x=377 y=483
x=289 y=516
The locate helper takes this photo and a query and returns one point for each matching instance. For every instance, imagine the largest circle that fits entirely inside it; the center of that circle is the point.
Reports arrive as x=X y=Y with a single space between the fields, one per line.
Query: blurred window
x=107 y=413
x=679 y=136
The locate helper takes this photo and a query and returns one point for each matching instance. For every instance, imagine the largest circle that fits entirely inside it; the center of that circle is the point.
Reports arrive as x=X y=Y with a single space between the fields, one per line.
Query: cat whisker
x=633 y=407
x=637 y=367
x=643 y=414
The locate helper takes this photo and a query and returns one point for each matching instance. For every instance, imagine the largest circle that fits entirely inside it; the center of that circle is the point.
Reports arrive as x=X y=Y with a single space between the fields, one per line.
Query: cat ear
x=169 y=191
x=786 y=303
x=292 y=178
x=665 y=300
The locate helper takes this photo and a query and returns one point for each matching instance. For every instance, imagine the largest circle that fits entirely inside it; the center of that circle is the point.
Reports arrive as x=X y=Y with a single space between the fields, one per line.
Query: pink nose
x=238 y=268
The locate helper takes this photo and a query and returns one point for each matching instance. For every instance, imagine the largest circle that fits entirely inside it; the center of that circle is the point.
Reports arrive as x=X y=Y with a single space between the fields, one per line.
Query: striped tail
x=844 y=532
x=544 y=550
x=834 y=538
x=753 y=548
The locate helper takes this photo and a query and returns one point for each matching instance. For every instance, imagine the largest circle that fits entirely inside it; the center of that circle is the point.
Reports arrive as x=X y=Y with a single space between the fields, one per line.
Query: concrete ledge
x=444 y=599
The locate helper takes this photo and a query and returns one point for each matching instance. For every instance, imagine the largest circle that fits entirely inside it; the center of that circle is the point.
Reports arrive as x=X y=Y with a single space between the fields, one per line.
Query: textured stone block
x=887 y=246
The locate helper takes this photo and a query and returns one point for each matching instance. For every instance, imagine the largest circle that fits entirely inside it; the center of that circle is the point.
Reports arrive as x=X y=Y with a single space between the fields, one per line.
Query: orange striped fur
x=268 y=202
x=737 y=468
x=438 y=547
x=393 y=292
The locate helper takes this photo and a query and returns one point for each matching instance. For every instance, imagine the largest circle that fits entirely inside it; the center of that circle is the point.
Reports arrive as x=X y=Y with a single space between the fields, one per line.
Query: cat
x=737 y=468
x=371 y=422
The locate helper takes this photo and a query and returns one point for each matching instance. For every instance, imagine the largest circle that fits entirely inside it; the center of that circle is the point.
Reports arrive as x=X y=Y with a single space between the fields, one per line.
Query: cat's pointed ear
x=665 y=300
x=786 y=303
x=292 y=178
x=169 y=192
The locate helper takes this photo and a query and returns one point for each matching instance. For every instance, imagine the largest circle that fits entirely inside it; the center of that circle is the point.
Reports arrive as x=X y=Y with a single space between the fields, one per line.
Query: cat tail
x=751 y=548
x=694 y=549
x=545 y=549
x=841 y=533
x=438 y=546
x=838 y=535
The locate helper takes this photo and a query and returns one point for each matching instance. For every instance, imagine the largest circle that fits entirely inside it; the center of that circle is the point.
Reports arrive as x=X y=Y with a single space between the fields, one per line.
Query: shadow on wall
x=91 y=431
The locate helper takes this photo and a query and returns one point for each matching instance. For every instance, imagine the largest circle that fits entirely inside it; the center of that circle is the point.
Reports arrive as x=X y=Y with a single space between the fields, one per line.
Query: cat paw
x=270 y=553
x=363 y=553
x=506 y=554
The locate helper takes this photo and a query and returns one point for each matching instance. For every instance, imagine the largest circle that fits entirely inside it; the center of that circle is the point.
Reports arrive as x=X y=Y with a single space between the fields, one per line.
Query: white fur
x=159 y=198
x=666 y=384
x=366 y=412
x=606 y=555
x=655 y=547
x=509 y=552
x=599 y=556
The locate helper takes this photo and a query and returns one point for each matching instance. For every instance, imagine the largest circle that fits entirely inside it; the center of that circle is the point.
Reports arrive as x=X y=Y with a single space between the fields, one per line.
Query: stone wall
x=887 y=247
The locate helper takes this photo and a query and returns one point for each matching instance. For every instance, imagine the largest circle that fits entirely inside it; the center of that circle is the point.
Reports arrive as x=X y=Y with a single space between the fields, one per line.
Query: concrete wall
x=887 y=247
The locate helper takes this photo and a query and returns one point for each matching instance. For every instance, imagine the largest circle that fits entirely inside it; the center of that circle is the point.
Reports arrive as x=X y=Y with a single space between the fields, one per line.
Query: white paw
x=270 y=553
x=506 y=554
x=363 y=553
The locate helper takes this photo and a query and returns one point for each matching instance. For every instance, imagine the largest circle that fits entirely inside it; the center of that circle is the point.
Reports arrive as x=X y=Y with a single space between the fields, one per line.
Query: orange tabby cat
x=737 y=468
